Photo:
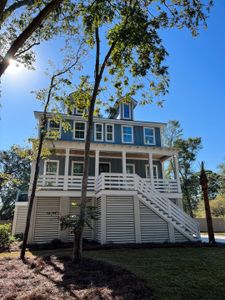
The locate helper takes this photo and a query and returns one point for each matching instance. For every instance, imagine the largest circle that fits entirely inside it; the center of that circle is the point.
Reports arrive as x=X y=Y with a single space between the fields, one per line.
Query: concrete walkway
x=220 y=237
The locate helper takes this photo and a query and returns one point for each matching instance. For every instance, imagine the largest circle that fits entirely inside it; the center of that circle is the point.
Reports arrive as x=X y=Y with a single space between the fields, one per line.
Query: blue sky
x=196 y=97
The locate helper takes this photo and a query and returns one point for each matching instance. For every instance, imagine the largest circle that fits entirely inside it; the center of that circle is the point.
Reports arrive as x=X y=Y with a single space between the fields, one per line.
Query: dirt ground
x=53 y=279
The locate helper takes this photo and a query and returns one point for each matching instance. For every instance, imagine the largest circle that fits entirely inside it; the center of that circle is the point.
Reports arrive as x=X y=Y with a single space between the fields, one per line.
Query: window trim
x=106 y=163
x=95 y=132
x=79 y=162
x=130 y=164
x=153 y=135
x=132 y=141
x=78 y=113
x=74 y=130
x=45 y=166
x=60 y=128
x=157 y=171
x=127 y=118
x=110 y=141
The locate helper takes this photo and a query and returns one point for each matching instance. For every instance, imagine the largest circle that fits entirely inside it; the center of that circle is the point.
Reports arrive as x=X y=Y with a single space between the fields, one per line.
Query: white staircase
x=153 y=199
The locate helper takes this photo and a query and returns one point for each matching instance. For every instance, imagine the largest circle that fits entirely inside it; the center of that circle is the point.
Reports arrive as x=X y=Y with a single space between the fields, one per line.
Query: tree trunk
x=26 y=34
x=31 y=200
x=204 y=185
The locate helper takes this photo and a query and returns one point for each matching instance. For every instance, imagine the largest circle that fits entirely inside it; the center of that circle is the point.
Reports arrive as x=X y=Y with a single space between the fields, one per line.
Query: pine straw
x=53 y=279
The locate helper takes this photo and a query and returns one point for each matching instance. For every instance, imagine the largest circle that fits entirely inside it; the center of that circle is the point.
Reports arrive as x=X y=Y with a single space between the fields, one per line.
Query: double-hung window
x=126 y=111
x=109 y=133
x=127 y=134
x=155 y=172
x=54 y=129
x=149 y=136
x=77 y=168
x=51 y=167
x=98 y=132
x=79 y=130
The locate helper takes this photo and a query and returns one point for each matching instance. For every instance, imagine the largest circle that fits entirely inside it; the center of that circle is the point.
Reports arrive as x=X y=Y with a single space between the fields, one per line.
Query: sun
x=14 y=67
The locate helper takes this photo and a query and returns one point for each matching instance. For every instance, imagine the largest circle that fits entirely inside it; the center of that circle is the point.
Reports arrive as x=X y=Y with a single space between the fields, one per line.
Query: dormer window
x=127 y=111
x=78 y=111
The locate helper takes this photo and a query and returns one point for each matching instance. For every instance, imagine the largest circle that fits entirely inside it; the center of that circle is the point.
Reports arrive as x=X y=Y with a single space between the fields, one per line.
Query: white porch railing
x=114 y=181
x=50 y=182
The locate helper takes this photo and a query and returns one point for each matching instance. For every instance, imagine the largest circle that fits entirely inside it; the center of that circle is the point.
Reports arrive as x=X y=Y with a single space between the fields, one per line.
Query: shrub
x=5 y=235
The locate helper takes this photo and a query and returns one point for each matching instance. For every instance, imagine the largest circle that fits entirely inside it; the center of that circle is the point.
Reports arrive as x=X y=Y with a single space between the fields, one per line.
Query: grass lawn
x=175 y=273
x=170 y=273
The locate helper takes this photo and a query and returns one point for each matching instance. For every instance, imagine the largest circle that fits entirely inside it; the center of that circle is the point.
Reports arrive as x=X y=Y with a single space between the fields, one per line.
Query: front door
x=103 y=168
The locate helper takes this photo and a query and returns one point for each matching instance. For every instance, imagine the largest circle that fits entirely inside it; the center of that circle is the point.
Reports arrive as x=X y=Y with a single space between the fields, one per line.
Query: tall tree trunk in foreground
x=204 y=185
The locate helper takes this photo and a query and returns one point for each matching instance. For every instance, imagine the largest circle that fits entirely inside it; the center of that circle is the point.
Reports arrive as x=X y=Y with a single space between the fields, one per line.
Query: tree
x=135 y=52
x=58 y=80
x=204 y=185
x=15 y=174
x=25 y=23
x=187 y=153
x=221 y=168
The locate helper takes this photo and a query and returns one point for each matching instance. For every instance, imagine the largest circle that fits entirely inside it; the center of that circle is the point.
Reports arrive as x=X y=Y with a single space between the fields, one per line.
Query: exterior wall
x=153 y=228
x=46 y=225
x=138 y=134
x=115 y=164
x=19 y=220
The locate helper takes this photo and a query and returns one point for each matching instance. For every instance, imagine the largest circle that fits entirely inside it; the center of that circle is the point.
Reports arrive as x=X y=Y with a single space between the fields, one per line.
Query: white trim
x=106 y=120
x=95 y=132
x=132 y=136
x=106 y=163
x=153 y=166
x=51 y=160
x=79 y=162
x=78 y=113
x=133 y=165
x=112 y=141
x=127 y=118
x=74 y=124
x=60 y=128
x=145 y=135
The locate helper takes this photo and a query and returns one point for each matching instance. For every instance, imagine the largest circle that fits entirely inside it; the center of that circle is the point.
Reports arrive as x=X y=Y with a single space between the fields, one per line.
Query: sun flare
x=14 y=67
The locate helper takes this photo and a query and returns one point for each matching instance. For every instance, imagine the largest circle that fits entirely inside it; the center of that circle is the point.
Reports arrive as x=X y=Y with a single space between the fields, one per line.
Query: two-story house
x=126 y=183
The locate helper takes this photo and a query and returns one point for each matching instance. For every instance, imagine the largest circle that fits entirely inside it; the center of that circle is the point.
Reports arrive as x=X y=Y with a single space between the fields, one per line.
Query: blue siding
x=138 y=135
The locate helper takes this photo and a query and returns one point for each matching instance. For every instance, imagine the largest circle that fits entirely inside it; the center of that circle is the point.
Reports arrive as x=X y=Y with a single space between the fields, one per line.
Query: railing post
x=96 y=163
x=66 y=170
x=150 y=161
x=175 y=161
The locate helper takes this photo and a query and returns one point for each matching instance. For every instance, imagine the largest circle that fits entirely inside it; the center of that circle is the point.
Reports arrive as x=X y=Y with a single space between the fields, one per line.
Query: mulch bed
x=53 y=279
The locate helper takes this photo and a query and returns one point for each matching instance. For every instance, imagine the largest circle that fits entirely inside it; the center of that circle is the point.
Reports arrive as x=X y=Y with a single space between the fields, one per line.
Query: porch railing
x=114 y=181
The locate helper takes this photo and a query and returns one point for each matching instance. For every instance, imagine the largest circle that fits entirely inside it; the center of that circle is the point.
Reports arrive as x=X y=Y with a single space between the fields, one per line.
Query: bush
x=5 y=236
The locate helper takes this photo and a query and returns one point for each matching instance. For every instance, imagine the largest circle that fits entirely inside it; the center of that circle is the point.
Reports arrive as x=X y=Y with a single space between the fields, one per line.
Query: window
x=130 y=168
x=109 y=133
x=126 y=111
x=54 y=129
x=51 y=167
x=127 y=134
x=149 y=136
x=155 y=171
x=78 y=111
x=79 y=130
x=77 y=168
x=98 y=132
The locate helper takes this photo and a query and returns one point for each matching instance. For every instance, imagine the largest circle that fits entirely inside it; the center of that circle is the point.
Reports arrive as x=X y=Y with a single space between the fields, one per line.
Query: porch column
x=96 y=163
x=176 y=167
x=163 y=169
x=66 y=169
x=124 y=160
x=150 y=162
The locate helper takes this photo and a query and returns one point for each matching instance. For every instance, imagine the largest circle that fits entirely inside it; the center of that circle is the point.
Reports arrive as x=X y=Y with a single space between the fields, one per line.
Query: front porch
x=63 y=171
